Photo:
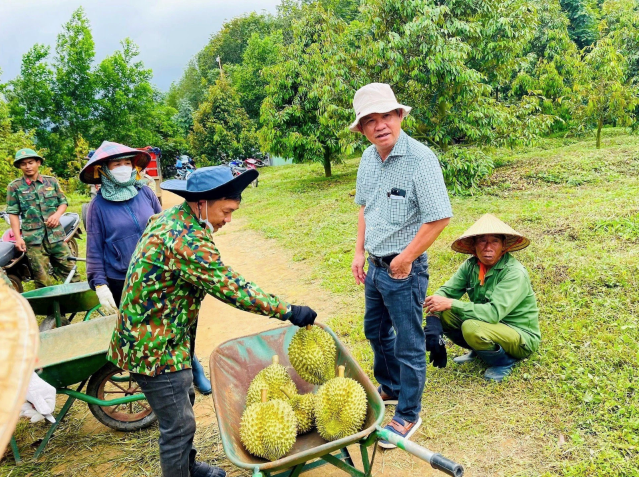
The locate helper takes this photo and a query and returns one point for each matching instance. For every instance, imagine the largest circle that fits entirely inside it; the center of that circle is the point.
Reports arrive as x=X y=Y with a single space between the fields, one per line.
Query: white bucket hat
x=375 y=98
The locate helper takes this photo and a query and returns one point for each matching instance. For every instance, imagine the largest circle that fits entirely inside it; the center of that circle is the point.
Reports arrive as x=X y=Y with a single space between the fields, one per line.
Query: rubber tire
x=17 y=283
x=93 y=387
x=85 y=208
x=49 y=323
x=73 y=246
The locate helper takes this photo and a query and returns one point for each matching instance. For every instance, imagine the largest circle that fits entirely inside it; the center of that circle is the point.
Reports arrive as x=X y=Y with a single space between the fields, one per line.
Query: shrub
x=464 y=168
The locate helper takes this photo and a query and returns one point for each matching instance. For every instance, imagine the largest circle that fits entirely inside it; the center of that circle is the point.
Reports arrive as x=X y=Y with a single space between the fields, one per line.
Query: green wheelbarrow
x=58 y=301
x=77 y=354
x=61 y=303
x=233 y=365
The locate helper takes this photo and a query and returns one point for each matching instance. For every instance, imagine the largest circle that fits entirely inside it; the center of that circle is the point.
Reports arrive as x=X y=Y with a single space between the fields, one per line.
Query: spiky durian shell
x=268 y=429
x=340 y=408
x=304 y=408
x=274 y=377
x=312 y=354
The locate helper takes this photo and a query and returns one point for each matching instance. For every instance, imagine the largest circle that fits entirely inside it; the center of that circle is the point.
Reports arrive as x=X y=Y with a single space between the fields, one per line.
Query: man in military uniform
x=40 y=202
x=174 y=266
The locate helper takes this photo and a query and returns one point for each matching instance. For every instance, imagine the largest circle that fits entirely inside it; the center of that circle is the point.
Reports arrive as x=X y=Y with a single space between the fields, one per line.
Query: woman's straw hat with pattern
x=488 y=224
x=19 y=341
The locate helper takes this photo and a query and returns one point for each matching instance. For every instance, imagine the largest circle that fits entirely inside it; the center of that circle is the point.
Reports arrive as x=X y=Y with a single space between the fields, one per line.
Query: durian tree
x=604 y=94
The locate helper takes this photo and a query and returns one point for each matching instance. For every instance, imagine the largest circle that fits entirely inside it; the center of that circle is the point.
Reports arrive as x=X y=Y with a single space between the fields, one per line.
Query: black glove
x=435 y=341
x=302 y=316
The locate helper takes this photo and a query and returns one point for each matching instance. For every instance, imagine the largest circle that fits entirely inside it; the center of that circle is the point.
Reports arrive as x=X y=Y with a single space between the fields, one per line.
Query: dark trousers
x=171 y=396
x=393 y=325
x=116 y=287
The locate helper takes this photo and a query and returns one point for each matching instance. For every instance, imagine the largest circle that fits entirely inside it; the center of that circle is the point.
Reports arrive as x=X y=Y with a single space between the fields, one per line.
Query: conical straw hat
x=488 y=224
x=19 y=341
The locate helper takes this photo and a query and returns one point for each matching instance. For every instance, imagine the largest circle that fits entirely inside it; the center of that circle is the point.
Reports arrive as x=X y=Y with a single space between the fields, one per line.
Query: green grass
x=572 y=409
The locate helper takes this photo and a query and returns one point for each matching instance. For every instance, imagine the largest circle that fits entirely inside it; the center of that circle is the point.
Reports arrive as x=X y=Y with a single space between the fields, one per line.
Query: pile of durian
x=276 y=413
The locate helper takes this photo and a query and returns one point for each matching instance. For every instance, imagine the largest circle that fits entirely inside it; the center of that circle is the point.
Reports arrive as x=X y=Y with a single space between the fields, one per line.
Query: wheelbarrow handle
x=437 y=461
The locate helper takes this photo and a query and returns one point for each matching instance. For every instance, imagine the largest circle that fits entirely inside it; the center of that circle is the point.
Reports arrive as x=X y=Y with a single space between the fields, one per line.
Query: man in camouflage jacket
x=175 y=265
x=40 y=202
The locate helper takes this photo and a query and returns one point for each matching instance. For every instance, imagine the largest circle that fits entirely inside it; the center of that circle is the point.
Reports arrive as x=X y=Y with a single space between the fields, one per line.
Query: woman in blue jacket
x=116 y=219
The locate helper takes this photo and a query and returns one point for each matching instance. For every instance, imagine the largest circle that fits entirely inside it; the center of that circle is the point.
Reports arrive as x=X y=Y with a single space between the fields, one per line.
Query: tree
x=10 y=142
x=248 y=78
x=431 y=54
x=230 y=42
x=583 y=21
x=221 y=128
x=298 y=112
x=125 y=97
x=74 y=86
x=605 y=95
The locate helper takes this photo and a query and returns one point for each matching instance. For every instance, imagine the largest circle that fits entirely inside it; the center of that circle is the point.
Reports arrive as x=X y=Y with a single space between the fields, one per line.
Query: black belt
x=382 y=262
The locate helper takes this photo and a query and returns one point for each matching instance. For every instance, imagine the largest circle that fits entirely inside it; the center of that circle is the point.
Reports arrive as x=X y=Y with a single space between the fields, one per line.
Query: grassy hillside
x=572 y=409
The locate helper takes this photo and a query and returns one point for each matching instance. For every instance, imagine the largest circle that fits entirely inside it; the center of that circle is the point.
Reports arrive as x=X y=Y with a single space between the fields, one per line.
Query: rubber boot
x=499 y=362
x=200 y=381
x=466 y=358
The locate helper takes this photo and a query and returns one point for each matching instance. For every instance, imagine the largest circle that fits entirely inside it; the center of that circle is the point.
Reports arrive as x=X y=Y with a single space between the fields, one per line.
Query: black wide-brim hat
x=210 y=183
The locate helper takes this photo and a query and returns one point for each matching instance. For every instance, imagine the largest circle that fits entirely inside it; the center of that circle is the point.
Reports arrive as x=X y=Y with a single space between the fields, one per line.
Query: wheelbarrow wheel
x=49 y=323
x=73 y=246
x=16 y=282
x=110 y=382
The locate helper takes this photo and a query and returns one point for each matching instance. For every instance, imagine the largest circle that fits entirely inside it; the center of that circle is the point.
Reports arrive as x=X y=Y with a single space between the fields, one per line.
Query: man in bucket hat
x=40 y=202
x=500 y=323
x=174 y=266
x=404 y=208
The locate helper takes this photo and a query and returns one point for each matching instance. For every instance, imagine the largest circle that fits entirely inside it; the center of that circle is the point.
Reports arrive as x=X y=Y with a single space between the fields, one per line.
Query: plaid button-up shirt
x=392 y=221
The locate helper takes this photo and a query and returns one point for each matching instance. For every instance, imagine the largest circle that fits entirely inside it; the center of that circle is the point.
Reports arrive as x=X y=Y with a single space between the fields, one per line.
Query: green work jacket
x=35 y=201
x=506 y=297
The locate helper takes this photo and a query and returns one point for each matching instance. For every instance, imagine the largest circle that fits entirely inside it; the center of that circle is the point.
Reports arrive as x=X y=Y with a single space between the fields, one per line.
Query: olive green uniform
x=502 y=311
x=35 y=201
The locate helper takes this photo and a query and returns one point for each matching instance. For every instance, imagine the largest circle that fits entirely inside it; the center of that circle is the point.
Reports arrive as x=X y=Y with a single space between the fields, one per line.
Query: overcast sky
x=168 y=32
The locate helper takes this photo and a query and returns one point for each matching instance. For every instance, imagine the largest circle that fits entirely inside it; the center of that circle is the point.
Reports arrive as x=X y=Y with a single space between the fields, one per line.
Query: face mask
x=206 y=222
x=122 y=173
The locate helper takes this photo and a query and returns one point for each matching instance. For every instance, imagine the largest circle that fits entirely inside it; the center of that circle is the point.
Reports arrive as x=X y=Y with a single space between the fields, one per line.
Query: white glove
x=30 y=413
x=106 y=299
x=40 y=400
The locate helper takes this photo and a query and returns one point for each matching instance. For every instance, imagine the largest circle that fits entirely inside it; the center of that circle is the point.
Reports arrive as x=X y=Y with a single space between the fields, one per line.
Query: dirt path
x=266 y=263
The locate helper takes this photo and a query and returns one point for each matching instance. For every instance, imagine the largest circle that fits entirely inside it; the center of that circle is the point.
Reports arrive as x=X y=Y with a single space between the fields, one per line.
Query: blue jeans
x=171 y=396
x=393 y=325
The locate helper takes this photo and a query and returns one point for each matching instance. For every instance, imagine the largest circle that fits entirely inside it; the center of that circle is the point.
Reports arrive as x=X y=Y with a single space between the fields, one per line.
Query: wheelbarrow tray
x=235 y=363
x=72 y=297
x=71 y=354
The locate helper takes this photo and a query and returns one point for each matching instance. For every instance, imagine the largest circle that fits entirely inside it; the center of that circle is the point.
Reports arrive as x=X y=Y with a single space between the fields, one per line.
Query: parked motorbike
x=184 y=172
x=16 y=264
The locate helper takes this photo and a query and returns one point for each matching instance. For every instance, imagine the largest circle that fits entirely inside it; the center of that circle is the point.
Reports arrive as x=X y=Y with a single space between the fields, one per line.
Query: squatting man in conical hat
x=174 y=266
x=404 y=206
x=500 y=322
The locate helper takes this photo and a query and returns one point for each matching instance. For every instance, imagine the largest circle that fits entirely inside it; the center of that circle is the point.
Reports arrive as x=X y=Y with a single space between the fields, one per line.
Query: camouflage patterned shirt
x=174 y=266
x=35 y=201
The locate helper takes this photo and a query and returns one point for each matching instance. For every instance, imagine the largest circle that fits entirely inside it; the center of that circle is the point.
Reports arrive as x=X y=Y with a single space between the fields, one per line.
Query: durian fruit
x=340 y=407
x=304 y=408
x=312 y=353
x=274 y=377
x=268 y=429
